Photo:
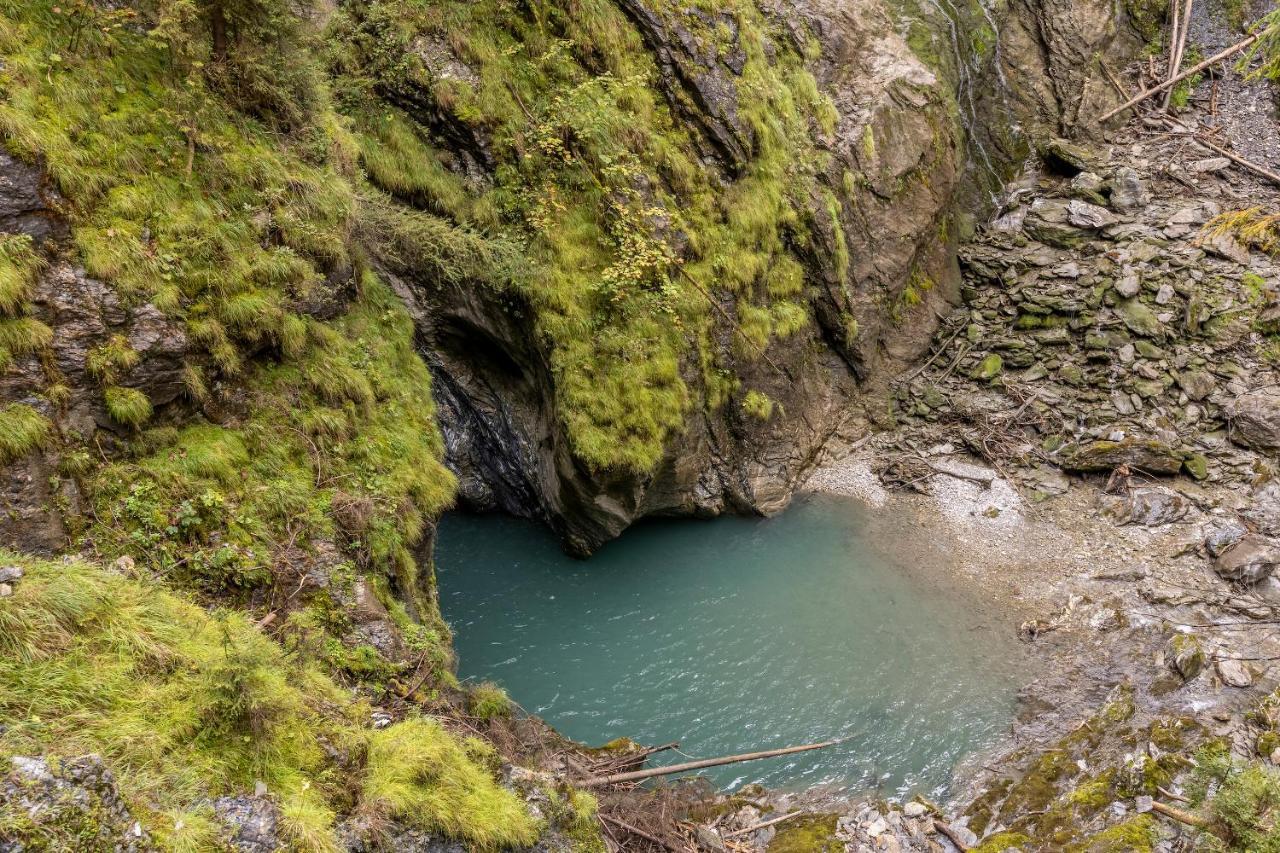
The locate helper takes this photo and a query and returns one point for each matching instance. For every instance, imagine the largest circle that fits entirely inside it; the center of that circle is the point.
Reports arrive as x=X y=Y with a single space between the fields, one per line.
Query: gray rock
x=1148 y=455
x=10 y=574
x=1084 y=215
x=1225 y=246
x=1127 y=190
x=914 y=809
x=1151 y=506
x=1254 y=420
x=1142 y=804
x=1234 y=673
x=1128 y=285
x=1222 y=538
x=1185 y=655
x=1065 y=157
x=1197 y=384
x=1250 y=560
x=69 y=804
x=252 y=822
x=1208 y=165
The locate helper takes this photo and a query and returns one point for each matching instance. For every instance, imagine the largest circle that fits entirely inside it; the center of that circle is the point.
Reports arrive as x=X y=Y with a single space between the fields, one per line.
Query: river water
x=735 y=635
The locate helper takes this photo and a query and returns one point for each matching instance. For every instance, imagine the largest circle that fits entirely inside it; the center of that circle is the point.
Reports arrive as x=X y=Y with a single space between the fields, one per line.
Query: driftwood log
x=637 y=775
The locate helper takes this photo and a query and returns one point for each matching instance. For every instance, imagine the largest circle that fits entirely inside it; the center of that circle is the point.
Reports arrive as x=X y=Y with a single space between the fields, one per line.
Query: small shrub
x=757 y=405
x=487 y=701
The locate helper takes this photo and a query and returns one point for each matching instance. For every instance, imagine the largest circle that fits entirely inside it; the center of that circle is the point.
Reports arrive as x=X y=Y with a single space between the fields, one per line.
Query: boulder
x=1084 y=215
x=1196 y=384
x=1250 y=560
x=1065 y=158
x=1222 y=538
x=1234 y=673
x=1255 y=420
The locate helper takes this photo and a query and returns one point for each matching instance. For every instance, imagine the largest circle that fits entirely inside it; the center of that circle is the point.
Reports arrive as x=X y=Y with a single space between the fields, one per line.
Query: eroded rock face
x=84 y=313
x=899 y=164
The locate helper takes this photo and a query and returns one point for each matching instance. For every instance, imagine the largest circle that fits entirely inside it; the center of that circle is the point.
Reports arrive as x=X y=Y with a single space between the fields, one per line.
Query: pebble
x=6 y=590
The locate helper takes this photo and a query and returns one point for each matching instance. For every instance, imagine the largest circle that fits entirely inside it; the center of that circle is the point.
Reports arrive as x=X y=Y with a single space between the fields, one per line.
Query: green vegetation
x=807 y=834
x=757 y=405
x=186 y=705
x=341 y=440
x=22 y=430
x=1180 y=97
x=629 y=231
x=487 y=701
x=1239 y=798
x=184 y=190
x=419 y=774
x=127 y=406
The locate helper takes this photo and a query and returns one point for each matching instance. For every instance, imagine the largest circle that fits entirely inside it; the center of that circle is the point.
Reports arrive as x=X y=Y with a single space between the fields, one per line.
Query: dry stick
x=941 y=827
x=759 y=826
x=1237 y=159
x=1175 y=9
x=636 y=831
x=1120 y=89
x=922 y=368
x=1179 y=815
x=1173 y=81
x=636 y=775
x=1179 y=48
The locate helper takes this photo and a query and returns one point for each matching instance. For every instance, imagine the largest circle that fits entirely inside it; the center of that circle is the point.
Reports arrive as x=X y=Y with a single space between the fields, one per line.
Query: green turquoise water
x=735 y=635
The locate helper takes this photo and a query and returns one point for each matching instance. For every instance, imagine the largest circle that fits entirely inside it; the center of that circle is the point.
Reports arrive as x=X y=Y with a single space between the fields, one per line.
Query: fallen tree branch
x=636 y=775
x=1179 y=815
x=1173 y=81
x=759 y=826
x=637 y=832
x=1240 y=161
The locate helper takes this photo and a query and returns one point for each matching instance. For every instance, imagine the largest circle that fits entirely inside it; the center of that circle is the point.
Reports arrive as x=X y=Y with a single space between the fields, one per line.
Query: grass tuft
x=22 y=430
x=419 y=774
x=127 y=406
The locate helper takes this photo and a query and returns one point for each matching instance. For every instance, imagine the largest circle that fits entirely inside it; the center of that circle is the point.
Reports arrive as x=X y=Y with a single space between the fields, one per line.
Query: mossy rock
x=808 y=834
x=1147 y=455
x=989 y=368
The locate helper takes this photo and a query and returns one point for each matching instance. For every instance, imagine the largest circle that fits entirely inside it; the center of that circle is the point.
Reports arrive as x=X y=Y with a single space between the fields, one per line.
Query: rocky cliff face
x=904 y=165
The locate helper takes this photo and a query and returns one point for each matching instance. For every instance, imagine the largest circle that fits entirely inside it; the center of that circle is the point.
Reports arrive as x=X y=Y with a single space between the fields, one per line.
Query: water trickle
x=737 y=634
